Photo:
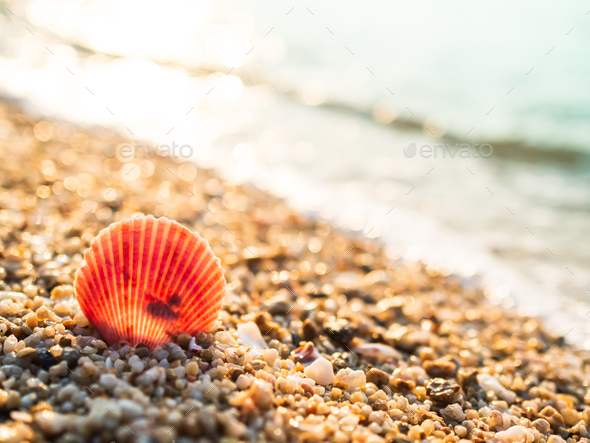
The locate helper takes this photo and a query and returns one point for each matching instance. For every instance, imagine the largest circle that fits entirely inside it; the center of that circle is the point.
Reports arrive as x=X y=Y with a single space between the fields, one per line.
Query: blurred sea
x=317 y=102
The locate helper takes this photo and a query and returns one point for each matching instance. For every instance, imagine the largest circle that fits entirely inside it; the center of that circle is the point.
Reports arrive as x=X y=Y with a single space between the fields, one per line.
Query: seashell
x=306 y=354
x=250 y=335
x=145 y=280
x=381 y=351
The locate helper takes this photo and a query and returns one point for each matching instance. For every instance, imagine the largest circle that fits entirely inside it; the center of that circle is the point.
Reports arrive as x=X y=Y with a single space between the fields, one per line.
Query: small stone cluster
x=324 y=336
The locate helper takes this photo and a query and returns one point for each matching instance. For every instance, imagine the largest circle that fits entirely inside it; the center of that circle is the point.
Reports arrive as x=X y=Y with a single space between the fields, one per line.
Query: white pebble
x=18 y=296
x=243 y=382
x=179 y=370
x=516 y=434
x=108 y=381
x=489 y=383
x=321 y=371
x=270 y=356
x=130 y=409
x=137 y=366
x=348 y=377
x=300 y=380
x=10 y=344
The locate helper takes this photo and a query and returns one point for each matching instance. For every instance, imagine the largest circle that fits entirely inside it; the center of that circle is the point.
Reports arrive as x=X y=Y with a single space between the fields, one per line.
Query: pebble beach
x=324 y=336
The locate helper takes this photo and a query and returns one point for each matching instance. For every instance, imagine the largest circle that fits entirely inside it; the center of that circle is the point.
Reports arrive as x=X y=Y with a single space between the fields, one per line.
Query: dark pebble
x=340 y=331
x=279 y=308
x=143 y=352
x=295 y=339
x=65 y=342
x=47 y=359
x=71 y=357
x=234 y=373
x=310 y=330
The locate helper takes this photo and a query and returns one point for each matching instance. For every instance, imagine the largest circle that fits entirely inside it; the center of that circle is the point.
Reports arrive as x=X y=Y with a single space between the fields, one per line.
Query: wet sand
x=323 y=336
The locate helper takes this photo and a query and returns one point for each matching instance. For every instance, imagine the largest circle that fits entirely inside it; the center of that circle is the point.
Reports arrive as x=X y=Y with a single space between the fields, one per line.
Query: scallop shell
x=146 y=280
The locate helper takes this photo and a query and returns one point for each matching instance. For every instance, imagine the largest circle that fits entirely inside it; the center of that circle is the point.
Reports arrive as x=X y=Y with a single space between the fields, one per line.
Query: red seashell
x=146 y=280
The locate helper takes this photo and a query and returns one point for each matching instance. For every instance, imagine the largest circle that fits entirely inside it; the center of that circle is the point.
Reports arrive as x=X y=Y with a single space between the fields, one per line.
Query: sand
x=323 y=336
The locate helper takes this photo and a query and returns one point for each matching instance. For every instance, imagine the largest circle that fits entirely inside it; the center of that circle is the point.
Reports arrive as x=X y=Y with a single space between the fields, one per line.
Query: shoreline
x=414 y=354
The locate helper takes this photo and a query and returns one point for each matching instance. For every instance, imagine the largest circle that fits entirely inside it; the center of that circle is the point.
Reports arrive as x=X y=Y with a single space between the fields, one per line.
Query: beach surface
x=327 y=334
x=318 y=105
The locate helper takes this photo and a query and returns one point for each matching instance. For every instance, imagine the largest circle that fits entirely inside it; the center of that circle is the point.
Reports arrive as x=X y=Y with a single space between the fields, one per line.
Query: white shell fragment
x=193 y=346
x=379 y=350
x=320 y=371
x=250 y=335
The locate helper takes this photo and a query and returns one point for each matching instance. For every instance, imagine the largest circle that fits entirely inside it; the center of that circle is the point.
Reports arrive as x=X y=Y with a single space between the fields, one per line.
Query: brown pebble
x=550 y=414
x=380 y=405
x=441 y=390
x=542 y=425
x=65 y=342
x=443 y=368
x=207 y=355
x=378 y=377
x=183 y=340
x=258 y=364
x=404 y=385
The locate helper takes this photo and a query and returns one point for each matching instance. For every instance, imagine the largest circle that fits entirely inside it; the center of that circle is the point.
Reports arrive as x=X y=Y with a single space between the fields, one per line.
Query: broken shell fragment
x=306 y=354
x=250 y=335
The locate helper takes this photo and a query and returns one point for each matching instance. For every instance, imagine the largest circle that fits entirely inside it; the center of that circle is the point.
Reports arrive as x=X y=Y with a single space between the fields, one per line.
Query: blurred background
x=316 y=103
